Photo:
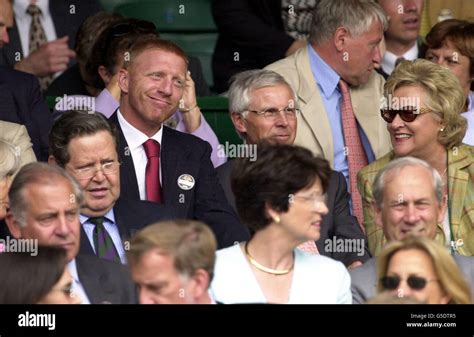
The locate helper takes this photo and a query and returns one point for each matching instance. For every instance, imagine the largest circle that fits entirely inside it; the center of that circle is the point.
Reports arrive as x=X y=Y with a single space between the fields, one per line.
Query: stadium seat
x=188 y=23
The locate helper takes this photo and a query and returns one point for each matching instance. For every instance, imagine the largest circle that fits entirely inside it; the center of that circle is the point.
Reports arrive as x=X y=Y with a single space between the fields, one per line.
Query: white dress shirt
x=135 y=139
x=76 y=283
x=389 y=59
x=23 y=22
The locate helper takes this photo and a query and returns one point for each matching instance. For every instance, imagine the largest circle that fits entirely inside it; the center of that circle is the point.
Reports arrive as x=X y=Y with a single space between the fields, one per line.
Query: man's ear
x=13 y=226
x=377 y=214
x=123 y=79
x=239 y=122
x=340 y=37
x=199 y=284
x=442 y=209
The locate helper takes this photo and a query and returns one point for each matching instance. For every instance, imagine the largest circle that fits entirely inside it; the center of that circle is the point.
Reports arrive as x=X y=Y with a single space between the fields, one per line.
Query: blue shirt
x=112 y=229
x=328 y=84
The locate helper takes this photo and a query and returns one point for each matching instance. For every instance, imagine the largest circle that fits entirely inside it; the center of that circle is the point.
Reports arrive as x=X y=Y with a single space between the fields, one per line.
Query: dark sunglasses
x=407 y=114
x=414 y=282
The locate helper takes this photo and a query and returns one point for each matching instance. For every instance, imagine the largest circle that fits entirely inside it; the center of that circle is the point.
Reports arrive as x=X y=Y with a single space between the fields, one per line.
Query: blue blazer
x=182 y=153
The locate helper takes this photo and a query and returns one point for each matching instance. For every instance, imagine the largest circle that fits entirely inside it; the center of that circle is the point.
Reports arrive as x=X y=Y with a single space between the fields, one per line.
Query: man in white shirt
x=44 y=205
x=60 y=20
x=401 y=37
x=160 y=164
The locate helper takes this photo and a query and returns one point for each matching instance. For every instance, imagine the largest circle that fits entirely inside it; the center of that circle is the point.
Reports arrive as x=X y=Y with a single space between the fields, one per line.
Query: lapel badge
x=186 y=182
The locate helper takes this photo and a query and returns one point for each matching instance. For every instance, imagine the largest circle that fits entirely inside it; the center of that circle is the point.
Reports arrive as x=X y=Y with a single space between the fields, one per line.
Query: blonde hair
x=191 y=243
x=450 y=277
x=445 y=95
x=9 y=160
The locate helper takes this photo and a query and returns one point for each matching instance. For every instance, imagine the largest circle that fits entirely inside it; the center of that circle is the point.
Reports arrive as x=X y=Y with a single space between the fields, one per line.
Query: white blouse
x=316 y=280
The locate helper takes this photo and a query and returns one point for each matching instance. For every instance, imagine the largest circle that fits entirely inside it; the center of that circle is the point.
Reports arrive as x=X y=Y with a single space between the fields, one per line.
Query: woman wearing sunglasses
x=41 y=278
x=421 y=269
x=423 y=109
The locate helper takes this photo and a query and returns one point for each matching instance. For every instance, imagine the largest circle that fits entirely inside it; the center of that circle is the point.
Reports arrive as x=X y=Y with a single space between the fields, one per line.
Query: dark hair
x=459 y=32
x=147 y=42
x=277 y=172
x=72 y=124
x=26 y=279
x=117 y=37
x=90 y=30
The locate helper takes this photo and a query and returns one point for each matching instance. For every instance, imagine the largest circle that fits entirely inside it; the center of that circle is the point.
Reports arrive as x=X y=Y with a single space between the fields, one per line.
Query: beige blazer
x=314 y=130
x=17 y=136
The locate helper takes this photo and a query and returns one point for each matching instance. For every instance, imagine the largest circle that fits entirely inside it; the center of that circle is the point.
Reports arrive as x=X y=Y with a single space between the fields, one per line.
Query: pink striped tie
x=309 y=247
x=356 y=156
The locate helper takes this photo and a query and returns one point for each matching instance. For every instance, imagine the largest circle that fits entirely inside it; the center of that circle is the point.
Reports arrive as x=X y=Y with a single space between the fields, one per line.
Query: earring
x=276 y=219
x=441 y=130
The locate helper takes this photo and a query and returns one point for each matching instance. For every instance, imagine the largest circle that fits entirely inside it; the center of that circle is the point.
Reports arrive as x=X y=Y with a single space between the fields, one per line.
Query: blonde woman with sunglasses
x=422 y=108
x=420 y=268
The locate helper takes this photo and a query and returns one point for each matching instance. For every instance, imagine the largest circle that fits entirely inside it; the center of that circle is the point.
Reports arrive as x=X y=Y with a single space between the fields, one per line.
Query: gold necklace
x=266 y=269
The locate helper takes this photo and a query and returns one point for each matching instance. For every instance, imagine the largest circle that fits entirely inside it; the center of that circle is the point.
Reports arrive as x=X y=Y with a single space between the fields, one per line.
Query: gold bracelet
x=187 y=110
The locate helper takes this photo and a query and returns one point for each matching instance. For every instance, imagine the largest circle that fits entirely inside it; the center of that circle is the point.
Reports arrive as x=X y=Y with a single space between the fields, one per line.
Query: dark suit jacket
x=105 y=282
x=182 y=153
x=21 y=102
x=131 y=216
x=252 y=28
x=336 y=225
x=65 y=23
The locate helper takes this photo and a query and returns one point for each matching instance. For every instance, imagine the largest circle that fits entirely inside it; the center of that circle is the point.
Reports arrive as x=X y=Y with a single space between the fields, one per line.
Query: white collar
x=134 y=137
x=389 y=59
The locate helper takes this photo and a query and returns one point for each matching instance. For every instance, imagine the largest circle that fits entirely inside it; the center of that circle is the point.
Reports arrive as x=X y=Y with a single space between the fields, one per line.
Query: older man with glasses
x=85 y=145
x=409 y=201
x=262 y=106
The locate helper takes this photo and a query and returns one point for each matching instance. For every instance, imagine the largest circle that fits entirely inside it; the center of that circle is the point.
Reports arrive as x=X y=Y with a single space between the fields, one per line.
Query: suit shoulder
x=19 y=77
x=224 y=169
x=185 y=139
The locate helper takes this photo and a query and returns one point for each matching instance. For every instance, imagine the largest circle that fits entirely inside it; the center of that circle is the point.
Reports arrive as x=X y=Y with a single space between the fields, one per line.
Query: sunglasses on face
x=414 y=282
x=407 y=114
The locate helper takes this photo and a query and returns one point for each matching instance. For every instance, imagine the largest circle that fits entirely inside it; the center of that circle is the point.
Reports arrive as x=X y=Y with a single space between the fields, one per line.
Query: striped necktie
x=104 y=246
x=37 y=39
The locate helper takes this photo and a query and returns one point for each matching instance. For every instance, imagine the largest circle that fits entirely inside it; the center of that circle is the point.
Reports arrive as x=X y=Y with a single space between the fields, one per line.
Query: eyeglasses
x=90 y=171
x=272 y=113
x=414 y=282
x=316 y=199
x=407 y=114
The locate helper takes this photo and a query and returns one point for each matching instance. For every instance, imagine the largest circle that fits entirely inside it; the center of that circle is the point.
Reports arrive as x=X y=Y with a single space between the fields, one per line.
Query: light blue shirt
x=328 y=84
x=112 y=229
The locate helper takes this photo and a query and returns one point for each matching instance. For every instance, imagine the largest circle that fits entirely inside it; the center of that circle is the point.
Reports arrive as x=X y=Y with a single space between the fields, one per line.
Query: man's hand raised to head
x=50 y=58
